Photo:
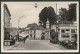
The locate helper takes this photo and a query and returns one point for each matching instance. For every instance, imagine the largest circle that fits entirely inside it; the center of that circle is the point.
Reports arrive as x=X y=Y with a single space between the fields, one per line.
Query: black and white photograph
x=40 y=26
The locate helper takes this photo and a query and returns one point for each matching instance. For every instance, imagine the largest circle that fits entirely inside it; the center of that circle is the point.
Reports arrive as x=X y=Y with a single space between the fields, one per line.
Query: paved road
x=37 y=45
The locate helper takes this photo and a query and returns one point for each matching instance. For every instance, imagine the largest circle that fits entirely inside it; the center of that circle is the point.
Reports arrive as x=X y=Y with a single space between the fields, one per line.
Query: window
x=65 y=36
x=58 y=29
x=67 y=30
x=62 y=31
x=73 y=31
x=74 y=35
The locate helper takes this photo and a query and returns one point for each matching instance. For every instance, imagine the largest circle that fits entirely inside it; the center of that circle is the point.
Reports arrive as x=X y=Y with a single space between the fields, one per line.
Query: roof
x=34 y=26
x=65 y=22
x=40 y=28
x=31 y=25
x=5 y=6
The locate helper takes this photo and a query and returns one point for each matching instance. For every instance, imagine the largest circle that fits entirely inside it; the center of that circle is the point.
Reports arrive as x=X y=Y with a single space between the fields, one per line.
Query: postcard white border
x=38 y=51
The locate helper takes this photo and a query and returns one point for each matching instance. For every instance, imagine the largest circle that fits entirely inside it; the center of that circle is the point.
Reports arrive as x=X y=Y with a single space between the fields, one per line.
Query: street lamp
x=35 y=5
x=18 y=25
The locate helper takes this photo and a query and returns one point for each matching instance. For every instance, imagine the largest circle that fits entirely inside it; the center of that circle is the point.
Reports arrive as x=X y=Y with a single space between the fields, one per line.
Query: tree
x=72 y=12
x=43 y=17
x=68 y=15
x=64 y=14
x=51 y=16
x=47 y=13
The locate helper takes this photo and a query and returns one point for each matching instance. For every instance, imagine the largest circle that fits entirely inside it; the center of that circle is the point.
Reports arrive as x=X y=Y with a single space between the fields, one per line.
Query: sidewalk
x=9 y=47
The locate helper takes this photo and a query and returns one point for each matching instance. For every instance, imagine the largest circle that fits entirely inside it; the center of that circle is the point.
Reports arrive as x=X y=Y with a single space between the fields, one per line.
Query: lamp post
x=18 y=25
x=35 y=5
x=57 y=19
x=18 y=31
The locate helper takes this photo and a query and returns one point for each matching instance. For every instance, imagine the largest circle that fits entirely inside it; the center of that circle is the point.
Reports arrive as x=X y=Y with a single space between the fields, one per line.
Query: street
x=37 y=45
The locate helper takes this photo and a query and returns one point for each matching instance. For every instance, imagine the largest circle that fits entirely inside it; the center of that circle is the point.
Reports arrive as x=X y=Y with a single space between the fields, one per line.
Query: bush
x=54 y=35
x=69 y=44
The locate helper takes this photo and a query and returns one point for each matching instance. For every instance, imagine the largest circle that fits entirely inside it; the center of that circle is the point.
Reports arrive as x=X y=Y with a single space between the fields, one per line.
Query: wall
x=7 y=18
x=64 y=36
x=38 y=34
x=13 y=32
x=47 y=35
x=6 y=23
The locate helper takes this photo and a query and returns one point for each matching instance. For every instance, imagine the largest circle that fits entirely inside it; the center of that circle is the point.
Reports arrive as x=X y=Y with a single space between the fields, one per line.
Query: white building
x=67 y=32
x=36 y=32
x=7 y=18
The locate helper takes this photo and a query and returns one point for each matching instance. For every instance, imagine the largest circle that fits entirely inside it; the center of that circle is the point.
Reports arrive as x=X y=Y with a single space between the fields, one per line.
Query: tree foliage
x=72 y=12
x=63 y=13
x=69 y=15
x=51 y=15
x=47 y=13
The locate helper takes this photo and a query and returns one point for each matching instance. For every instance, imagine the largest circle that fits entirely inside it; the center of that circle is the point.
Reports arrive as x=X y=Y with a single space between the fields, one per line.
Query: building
x=7 y=24
x=13 y=33
x=47 y=34
x=67 y=32
x=26 y=30
x=35 y=31
x=7 y=19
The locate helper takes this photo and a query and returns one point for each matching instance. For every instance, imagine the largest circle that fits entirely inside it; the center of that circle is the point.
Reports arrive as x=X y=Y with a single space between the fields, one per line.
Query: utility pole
x=35 y=10
x=35 y=5
x=56 y=17
x=56 y=9
x=18 y=25
x=18 y=30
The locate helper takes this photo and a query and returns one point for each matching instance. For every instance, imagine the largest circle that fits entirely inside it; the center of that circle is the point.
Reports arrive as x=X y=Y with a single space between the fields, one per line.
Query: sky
x=25 y=12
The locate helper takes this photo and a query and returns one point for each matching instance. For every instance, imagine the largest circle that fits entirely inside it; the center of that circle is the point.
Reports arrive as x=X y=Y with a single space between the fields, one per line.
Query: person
x=24 y=40
x=27 y=37
x=30 y=35
x=42 y=36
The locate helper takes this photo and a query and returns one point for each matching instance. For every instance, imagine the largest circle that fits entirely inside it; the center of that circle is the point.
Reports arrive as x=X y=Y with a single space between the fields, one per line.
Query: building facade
x=7 y=18
x=13 y=33
x=67 y=32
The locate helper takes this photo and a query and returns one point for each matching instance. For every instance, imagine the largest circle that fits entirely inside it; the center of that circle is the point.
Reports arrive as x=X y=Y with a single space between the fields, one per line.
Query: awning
x=23 y=35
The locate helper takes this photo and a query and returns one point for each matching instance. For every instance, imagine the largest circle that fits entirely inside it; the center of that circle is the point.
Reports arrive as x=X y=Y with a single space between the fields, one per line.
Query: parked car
x=43 y=36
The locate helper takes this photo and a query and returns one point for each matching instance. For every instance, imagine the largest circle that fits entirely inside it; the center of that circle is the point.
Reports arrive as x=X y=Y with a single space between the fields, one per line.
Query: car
x=20 y=38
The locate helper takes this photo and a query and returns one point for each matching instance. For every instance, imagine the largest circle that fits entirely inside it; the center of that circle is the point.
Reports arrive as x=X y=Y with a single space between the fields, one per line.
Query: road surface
x=37 y=45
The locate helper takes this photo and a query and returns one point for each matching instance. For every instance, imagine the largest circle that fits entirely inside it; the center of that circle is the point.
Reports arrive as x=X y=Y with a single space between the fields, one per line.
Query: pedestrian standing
x=24 y=40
